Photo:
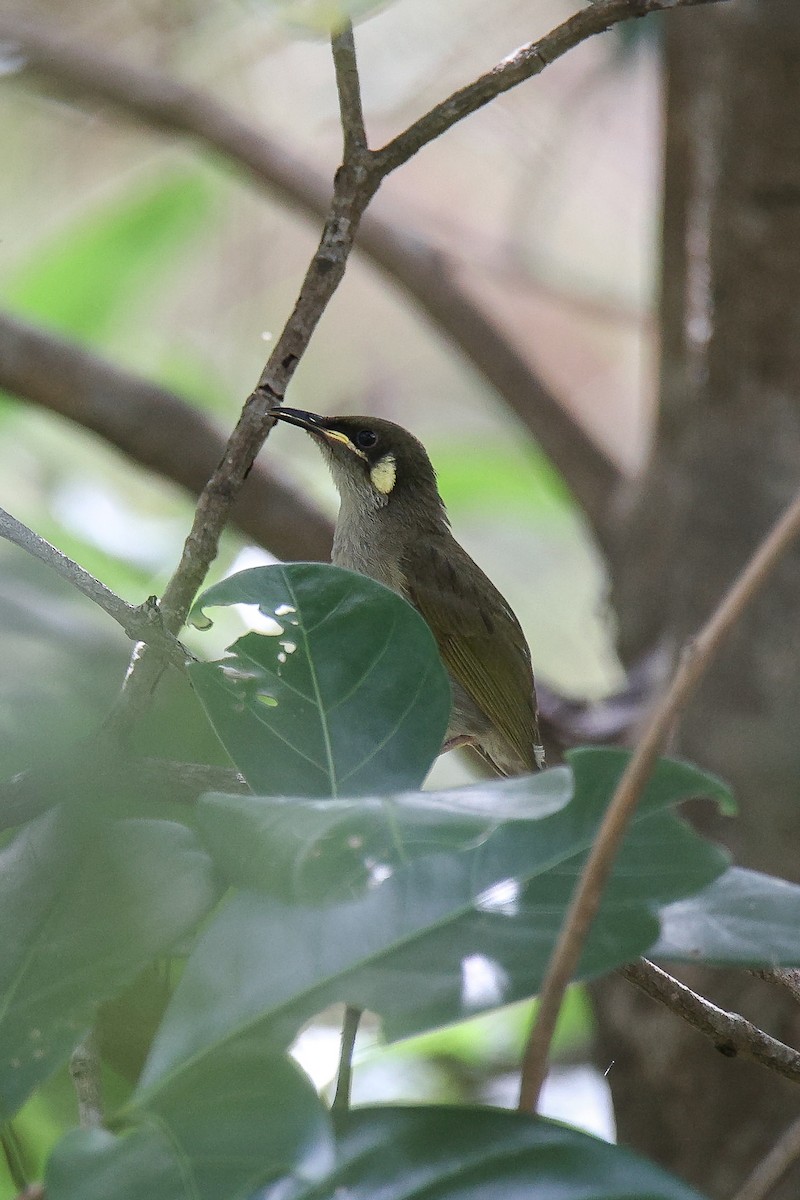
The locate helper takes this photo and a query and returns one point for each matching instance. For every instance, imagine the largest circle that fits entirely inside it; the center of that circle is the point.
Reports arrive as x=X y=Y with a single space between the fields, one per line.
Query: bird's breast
x=357 y=553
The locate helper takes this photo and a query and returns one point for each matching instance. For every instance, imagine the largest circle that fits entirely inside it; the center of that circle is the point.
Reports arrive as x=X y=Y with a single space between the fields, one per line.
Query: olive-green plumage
x=392 y=526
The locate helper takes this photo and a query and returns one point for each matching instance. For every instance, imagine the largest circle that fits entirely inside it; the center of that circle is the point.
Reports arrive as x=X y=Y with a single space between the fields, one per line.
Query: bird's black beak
x=311 y=422
x=296 y=416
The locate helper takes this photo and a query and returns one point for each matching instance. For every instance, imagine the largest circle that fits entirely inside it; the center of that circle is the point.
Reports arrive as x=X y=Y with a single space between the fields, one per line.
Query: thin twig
x=773 y=1166
x=354 y=186
x=427 y=275
x=786 y=977
x=695 y=661
x=731 y=1033
x=348 y=86
x=157 y=429
x=141 y=622
x=84 y=1067
x=524 y=63
x=344 y=1076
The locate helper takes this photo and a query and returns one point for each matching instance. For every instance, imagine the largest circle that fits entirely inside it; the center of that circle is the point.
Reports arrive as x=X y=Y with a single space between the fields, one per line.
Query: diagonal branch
x=695 y=661
x=142 y=622
x=774 y=1165
x=425 y=274
x=155 y=428
x=730 y=1032
x=354 y=187
x=524 y=63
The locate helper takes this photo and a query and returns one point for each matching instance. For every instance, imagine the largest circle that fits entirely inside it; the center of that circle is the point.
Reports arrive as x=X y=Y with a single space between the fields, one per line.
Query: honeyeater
x=392 y=526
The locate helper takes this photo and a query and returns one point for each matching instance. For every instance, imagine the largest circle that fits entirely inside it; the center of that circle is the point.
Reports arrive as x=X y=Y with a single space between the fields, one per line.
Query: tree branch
x=695 y=661
x=786 y=977
x=141 y=622
x=348 y=87
x=731 y=1033
x=524 y=63
x=84 y=1067
x=354 y=186
x=157 y=429
x=773 y=1166
x=425 y=274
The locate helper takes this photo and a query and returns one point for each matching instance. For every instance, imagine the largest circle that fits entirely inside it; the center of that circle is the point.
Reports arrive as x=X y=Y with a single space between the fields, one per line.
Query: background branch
x=730 y=1032
x=695 y=661
x=773 y=1166
x=157 y=429
x=425 y=274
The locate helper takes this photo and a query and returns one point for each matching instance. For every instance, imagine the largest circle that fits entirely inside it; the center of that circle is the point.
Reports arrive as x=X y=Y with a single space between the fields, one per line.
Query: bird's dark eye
x=366 y=438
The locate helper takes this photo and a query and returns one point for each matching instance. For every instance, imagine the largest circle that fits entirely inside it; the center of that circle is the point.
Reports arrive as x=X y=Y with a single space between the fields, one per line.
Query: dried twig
x=695 y=661
x=730 y=1032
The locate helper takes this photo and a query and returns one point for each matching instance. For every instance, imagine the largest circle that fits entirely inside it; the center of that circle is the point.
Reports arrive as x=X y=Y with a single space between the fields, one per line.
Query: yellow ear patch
x=384 y=474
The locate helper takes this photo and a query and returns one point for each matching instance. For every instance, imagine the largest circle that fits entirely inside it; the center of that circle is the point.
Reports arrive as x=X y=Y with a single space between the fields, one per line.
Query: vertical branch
x=355 y=184
x=348 y=86
x=84 y=1067
x=344 y=1077
x=697 y=658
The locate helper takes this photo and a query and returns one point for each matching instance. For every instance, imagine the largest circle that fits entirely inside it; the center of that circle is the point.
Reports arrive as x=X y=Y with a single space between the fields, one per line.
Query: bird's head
x=375 y=464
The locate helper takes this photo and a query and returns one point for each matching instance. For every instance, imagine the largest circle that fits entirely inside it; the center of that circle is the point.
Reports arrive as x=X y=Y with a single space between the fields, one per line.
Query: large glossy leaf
x=349 y=697
x=478 y=1154
x=424 y=937
x=743 y=917
x=321 y=850
x=235 y=1122
x=83 y=907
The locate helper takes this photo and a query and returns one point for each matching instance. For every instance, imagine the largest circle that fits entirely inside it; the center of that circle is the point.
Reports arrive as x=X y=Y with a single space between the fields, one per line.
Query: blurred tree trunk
x=726 y=459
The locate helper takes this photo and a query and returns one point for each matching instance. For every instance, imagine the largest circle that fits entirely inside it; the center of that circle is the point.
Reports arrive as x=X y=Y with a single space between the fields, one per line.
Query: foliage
x=197 y=940
x=425 y=907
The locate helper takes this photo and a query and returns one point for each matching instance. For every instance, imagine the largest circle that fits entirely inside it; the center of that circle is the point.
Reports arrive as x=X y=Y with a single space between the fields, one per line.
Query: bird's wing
x=479 y=638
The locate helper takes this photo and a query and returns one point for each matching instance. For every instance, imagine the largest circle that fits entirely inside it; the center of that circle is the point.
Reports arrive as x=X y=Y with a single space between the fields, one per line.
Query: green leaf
x=427 y=938
x=472 y=1154
x=743 y=918
x=82 y=281
x=242 y=1119
x=350 y=697
x=331 y=849
x=83 y=907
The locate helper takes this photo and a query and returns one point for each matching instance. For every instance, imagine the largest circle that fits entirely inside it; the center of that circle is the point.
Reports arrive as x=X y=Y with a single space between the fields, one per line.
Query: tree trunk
x=726 y=459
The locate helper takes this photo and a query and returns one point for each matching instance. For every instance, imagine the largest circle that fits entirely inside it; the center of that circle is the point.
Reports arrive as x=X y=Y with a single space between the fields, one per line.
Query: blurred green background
x=152 y=253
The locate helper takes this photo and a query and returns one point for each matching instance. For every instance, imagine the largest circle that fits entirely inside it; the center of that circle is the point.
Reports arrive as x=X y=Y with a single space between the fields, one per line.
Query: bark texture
x=726 y=459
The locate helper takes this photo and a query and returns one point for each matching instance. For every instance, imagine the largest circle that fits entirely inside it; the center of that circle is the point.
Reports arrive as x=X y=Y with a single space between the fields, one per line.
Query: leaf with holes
x=347 y=696
x=422 y=916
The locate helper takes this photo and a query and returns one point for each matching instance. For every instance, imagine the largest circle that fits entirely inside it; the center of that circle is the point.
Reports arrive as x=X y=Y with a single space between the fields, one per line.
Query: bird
x=393 y=526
